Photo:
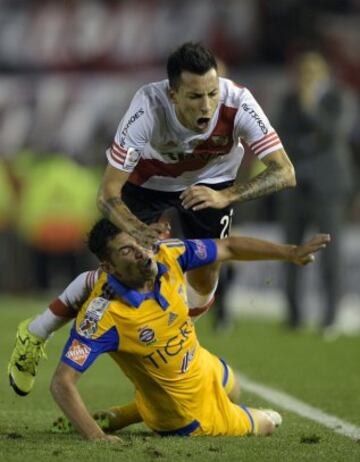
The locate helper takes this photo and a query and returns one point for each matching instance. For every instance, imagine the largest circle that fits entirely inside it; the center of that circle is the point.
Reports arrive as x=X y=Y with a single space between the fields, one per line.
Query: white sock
x=196 y=300
x=46 y=323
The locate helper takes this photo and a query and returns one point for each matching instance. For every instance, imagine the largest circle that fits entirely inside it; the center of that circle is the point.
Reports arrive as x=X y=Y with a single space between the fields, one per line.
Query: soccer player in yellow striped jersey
x=137 y=312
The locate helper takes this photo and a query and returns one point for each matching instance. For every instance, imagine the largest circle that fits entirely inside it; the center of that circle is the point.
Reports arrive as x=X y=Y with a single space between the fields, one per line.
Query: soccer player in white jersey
x=178 y=145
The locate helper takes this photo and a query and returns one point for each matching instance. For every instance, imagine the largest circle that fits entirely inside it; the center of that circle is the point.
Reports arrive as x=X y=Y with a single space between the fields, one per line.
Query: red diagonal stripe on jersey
x=146 y=168
x=268 y=146
x=263 y=140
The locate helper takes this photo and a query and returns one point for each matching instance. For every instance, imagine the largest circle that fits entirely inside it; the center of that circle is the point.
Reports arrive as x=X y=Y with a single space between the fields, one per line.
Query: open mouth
x=203 y=122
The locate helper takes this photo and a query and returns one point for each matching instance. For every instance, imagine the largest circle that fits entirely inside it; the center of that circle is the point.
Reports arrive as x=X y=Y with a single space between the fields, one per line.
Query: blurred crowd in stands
x=68 y=71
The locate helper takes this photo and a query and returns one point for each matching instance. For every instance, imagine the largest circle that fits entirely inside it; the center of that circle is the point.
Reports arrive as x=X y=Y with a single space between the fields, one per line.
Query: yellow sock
x=122 y=416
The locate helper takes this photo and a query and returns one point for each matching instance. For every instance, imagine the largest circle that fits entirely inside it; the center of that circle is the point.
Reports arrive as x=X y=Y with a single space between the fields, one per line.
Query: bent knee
x=235 y=392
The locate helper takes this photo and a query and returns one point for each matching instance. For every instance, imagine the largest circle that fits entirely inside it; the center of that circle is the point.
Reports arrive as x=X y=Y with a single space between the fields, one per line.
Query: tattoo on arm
x=107 y=206
x=270 y=180
x=116 y=211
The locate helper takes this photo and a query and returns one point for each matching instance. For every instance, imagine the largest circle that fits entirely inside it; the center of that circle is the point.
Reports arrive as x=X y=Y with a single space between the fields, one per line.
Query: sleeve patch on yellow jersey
x=78 y=352
x=94 y=312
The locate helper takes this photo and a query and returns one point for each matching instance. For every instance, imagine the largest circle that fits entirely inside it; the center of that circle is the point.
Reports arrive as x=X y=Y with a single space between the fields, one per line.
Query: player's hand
x=109 y=438
x=148 y=235
x=304 y=254
x=201 y=197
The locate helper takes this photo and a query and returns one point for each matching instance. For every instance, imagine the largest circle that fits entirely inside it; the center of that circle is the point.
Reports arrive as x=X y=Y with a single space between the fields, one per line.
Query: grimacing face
x=130 y=262
x=196 y=99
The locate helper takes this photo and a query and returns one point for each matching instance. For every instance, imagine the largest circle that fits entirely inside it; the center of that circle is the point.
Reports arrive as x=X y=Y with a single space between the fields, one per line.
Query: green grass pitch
x=324 y=375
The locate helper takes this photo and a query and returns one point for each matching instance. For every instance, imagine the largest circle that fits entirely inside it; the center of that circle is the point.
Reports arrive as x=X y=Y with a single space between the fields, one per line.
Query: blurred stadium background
x=67 y=73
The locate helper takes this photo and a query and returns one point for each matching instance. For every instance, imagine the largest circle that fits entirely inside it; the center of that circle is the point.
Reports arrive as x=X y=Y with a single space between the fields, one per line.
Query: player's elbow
x=101 y=199
x=288 y=176
x=291 y=176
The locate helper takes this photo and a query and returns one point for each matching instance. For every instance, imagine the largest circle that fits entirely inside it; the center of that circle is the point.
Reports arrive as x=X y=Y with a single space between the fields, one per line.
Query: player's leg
x=266 y=421
x=227 y=379
x=207 y=223
x=262 y=421
x=32 y=334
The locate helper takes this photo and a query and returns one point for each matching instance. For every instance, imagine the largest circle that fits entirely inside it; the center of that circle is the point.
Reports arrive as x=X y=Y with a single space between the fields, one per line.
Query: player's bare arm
x=111 y=205
x=252 y=249
x=64 y=391
x=278 y=175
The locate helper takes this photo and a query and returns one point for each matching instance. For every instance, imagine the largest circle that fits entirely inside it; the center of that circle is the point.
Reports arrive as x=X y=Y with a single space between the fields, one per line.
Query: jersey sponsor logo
x=200 y=249
x=124 y=132
x=131 y=120
x=256 y=117
x=147 y=335
x=78 y=352
x=94 y=312
x=188 y=357
x=173 y=346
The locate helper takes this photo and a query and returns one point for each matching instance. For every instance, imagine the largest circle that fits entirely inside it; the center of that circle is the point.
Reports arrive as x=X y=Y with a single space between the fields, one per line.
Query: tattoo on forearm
x=107 y=206
x=270 y=180
x=116 y=211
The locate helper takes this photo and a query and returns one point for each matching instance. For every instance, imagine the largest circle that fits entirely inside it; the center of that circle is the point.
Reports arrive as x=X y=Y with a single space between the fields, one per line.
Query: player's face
x=131 y=263
x=196 y=99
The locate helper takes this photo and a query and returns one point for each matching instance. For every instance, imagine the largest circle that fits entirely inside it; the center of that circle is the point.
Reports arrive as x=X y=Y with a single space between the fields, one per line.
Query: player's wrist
x=97 y=434
x=292 y=253
x=231 y=195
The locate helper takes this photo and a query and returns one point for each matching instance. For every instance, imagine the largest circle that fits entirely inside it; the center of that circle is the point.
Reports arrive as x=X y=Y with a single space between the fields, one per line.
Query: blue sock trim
x=244 y=408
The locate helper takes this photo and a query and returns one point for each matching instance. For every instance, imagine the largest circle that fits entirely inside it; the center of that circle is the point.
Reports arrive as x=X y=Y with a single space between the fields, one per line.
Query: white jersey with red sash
x=161 y=154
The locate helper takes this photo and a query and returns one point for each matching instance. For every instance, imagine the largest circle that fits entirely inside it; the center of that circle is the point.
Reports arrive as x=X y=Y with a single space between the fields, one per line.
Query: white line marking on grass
x=299 y=407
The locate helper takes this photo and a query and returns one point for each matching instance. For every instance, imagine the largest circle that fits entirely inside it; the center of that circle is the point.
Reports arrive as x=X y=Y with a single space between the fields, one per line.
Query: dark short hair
x=191 y=57
x=100 y=235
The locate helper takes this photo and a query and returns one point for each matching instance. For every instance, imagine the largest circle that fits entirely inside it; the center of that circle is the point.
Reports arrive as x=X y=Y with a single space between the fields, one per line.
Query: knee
x=235 y=392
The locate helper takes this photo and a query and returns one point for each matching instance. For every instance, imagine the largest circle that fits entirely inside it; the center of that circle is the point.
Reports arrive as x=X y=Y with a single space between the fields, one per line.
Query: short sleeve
x=252 y=125
x=198 y=252
x=133 y=132
x=80 y=352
